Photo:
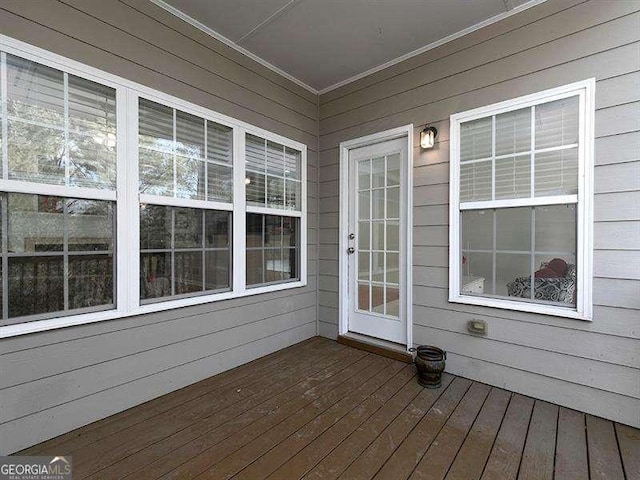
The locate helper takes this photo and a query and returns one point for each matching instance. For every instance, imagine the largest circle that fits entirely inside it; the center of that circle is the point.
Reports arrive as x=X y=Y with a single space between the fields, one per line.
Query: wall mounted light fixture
x=428 y=137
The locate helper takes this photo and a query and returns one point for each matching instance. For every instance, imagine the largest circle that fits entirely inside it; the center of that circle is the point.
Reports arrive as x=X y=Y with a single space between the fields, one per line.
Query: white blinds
x=497 y=153
x=195 y=162
x=273 y=173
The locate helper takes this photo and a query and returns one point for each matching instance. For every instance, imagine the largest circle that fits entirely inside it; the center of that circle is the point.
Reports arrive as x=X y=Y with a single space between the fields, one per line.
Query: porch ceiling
x=324 y=42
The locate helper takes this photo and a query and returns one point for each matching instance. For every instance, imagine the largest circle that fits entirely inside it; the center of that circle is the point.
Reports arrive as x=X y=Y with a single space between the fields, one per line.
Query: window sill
x=86 y=318
x=520 y=306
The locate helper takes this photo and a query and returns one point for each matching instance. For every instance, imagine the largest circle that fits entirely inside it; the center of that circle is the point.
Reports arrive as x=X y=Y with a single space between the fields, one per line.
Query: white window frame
x=585 y=90
x=128 y=199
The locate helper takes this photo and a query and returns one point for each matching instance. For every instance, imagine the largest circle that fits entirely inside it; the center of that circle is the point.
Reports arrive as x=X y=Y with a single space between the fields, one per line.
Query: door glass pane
x=363 y=266
x=393 y=236
x=377 y=297
x=393 y=169
x=377 y=267
x=377 y=172
x=393 y=268
x=364 y=174
x=363 y=205
x=363 y=235
x=377 y=203
x=363 y=296
x=393 y=202
x=392 y=299
x=377 y=235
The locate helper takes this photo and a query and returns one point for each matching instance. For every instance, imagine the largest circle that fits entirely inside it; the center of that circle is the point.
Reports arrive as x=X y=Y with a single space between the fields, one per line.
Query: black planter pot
x=430 y=362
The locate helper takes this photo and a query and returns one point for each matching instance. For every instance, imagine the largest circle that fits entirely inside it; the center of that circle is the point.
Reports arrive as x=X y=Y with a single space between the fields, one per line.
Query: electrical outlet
x=477 y=327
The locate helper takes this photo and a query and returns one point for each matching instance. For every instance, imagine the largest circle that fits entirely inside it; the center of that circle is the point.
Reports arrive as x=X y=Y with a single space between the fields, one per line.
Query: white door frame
x=405 y=131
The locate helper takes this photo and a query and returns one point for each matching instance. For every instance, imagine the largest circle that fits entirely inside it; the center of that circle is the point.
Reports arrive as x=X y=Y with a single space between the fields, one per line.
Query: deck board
x=571 y=450
x=604 y=455
x=505 y=456
x=320 y=410
x=472 y=457
x=629 y=441
x=435 y=463
x=538 y=456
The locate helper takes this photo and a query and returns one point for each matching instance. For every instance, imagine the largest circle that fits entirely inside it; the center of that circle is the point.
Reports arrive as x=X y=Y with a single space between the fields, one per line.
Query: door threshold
x=376 y=345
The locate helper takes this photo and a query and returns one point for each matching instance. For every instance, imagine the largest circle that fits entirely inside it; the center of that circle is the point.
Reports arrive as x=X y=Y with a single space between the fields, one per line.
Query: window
x=272 y=249
x=273 y=185
x=58 y=200
x=183 y=251
x=119 y=200
x=521 y=203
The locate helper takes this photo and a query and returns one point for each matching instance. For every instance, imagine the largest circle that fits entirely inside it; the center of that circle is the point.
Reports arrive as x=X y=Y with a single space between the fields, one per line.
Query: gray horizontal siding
x=52 y=382
x=557 y=42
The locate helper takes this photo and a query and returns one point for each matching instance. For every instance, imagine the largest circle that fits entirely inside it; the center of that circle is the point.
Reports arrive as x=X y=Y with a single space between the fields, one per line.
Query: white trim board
x=449 y=38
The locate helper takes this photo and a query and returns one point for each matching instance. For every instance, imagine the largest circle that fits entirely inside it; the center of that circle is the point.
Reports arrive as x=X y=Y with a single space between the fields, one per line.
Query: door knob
x=351 y=250
x=352 y=236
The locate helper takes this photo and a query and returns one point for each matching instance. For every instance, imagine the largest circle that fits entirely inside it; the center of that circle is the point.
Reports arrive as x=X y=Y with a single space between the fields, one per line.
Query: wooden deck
x=321 y=410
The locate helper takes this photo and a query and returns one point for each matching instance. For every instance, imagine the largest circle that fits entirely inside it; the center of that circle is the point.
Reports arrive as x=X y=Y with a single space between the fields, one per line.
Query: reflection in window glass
x=183 y=155
x=59 y=254
x=273 y=174
x=58 y=140
x=504 y=263
x=183 y=251
x=272 y=249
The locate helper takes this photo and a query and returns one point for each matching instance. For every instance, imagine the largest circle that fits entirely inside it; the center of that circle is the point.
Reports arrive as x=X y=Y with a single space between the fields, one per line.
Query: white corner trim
x=432 y=45
x=230 y=43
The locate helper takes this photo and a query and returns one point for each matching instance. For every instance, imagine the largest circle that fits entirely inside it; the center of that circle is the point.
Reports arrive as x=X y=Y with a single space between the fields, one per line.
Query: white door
x=376 y=238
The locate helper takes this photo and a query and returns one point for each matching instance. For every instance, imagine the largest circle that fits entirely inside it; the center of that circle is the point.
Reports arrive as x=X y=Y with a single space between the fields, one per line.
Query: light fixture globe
x=428 y=137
